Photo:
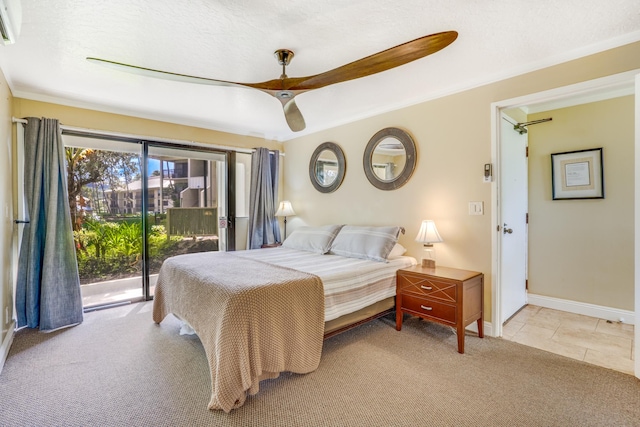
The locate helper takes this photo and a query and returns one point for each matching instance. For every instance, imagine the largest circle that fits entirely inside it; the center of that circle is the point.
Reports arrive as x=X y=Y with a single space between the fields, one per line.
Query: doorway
x=103 y=181
x=557 y=98
x=135 y=203
x=187 y=193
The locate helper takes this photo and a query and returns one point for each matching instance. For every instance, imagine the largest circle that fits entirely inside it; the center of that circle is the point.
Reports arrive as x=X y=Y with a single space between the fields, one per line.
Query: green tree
x=82 y=169
x=123 y=168
x=86 y=166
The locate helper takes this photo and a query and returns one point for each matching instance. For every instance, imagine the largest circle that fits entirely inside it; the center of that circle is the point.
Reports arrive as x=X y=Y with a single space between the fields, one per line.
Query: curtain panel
x=48 y=287
x=263 y=196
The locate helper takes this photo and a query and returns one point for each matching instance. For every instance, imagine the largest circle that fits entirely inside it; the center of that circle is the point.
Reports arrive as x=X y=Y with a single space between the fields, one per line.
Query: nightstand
x=441 y=294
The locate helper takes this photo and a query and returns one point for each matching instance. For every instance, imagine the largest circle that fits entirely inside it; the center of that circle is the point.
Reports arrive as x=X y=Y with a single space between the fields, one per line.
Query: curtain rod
x=89 y=132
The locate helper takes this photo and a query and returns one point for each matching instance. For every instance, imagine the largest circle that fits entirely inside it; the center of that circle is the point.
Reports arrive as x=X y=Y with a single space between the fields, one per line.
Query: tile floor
x=580 y=337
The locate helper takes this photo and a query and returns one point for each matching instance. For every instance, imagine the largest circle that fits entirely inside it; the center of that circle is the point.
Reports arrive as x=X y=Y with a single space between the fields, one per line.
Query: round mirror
x=327 y=167
x=389 y=159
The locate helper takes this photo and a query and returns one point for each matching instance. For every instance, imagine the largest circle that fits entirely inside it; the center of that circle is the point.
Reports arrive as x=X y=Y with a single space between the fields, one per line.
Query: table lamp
x=285 y=209
x=428 y=235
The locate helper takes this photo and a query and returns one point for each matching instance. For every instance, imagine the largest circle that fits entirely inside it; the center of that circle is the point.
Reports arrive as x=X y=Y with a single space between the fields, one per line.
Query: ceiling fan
x=285 y=88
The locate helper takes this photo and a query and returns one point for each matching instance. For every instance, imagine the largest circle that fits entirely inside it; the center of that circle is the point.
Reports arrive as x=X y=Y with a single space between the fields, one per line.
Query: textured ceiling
x=235 y=40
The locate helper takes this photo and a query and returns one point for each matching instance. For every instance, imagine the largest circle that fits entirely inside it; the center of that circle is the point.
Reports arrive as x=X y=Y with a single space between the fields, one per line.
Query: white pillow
x=312 y=239
x=397 y=251
x=374 y=243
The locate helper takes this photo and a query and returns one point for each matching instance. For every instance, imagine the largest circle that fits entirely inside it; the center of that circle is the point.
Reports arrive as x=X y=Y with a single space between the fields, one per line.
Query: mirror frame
x=409 y=166
x=342 y=166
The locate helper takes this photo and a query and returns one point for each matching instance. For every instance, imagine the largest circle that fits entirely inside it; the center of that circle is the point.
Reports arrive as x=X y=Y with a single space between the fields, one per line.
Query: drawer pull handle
x=426 y=308
x=426 y=287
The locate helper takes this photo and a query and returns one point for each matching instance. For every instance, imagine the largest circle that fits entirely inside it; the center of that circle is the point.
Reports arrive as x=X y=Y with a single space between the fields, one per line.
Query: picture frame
x=577 y=174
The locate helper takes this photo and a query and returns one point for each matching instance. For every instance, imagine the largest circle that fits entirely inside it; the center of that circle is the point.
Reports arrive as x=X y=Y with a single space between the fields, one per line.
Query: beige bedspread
x=254 y=319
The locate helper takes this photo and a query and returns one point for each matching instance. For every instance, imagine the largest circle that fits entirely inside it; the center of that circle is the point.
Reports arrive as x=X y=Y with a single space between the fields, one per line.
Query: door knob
x=506 y=230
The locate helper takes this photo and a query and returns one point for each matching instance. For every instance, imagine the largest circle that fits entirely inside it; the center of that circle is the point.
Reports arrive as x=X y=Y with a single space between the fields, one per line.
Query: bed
x=265 y=311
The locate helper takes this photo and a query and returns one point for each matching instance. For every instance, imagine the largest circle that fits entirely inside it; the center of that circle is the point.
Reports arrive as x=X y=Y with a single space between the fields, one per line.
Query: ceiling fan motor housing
x=284 y=56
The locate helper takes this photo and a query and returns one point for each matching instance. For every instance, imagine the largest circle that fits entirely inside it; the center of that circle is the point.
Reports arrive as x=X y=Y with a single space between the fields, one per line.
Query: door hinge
x=526 y=152
x=527 y=218
x=526 y=284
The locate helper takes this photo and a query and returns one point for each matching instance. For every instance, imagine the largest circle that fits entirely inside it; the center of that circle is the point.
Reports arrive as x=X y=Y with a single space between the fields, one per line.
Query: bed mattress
x=349 y=283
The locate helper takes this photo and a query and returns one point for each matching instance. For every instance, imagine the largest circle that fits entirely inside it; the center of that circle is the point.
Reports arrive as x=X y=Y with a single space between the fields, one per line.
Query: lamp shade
x=285 y=209
x=428 y=233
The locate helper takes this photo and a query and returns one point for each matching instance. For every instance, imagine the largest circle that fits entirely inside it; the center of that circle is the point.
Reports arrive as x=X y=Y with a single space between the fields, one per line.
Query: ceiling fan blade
x=285 y=89
x=293 y=115
x=291 y=112
x=378 y=62
x=165 y=75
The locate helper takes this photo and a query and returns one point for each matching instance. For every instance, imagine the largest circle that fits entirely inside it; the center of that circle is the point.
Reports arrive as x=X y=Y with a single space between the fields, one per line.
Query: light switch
x=476 y=208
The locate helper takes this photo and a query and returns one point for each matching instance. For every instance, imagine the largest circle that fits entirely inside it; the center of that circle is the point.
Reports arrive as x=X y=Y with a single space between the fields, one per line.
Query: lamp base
x=429 y=263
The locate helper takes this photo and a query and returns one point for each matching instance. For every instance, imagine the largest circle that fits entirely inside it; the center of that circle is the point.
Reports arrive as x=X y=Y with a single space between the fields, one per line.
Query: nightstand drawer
x=429 y=308
x=427 y=286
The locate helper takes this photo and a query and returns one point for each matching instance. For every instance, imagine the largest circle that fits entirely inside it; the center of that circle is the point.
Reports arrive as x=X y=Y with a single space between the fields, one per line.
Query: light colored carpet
x=120 y=369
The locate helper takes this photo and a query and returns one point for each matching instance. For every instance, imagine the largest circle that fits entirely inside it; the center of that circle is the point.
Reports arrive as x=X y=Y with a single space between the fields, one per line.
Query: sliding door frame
x=231 y=200
x=146 y=291
x=145 y=143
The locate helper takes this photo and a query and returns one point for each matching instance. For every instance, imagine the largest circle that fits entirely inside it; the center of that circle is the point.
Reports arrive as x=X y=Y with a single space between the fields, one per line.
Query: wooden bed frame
x=357 y=318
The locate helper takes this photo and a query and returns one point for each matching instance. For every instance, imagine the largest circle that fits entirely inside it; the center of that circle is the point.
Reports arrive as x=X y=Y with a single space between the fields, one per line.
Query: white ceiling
x=235 y=39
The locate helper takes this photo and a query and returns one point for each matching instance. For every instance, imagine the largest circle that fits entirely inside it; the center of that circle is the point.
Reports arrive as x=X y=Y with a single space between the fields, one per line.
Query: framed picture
x=577 y=175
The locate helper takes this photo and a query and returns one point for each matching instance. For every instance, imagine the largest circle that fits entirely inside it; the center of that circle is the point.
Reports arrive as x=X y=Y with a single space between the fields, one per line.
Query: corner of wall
x=6 y=345
x=7 y=203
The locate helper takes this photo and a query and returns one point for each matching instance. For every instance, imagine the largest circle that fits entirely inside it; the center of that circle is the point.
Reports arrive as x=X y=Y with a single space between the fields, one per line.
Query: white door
x=513 y=230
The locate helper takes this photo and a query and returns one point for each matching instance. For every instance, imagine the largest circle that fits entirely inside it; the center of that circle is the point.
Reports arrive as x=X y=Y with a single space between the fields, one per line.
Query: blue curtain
x=263 y=196
x=48 y=289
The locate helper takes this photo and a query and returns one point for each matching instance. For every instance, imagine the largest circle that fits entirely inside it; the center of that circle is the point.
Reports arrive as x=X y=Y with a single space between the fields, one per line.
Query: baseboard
x=601 y=312
x=6 y=345
x=487 y=328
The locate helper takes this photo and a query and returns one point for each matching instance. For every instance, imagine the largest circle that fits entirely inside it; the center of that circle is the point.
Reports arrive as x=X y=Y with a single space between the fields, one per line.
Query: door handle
x=506 y=230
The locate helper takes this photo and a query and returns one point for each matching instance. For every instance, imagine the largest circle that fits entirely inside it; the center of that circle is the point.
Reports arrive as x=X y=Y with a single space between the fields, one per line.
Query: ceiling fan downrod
x=284 y=58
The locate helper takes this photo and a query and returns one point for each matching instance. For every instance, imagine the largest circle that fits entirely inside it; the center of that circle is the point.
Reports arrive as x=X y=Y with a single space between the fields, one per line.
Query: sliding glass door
x=187 y=199
x=135 y=203
x=104 y=181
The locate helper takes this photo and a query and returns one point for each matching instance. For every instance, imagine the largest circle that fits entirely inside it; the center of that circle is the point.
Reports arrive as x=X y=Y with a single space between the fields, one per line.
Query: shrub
x=106 y=249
